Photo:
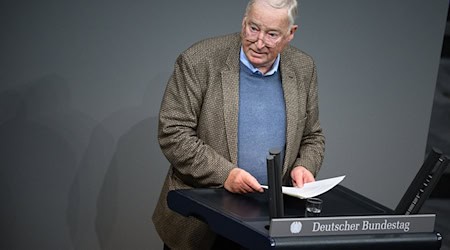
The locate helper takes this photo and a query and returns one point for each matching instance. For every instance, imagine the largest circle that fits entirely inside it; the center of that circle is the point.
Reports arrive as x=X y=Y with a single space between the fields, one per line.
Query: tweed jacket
x=198 y=125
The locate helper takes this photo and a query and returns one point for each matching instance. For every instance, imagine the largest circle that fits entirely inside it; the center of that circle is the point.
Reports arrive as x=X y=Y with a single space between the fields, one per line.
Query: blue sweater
x=262 y=120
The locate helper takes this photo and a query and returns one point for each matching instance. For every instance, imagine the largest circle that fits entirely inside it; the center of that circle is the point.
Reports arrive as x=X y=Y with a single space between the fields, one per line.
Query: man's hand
x=241 y=181
x=300 y=175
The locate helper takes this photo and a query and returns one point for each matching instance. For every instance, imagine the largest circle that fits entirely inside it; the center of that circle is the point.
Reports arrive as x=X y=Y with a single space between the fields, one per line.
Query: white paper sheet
x=312 y=189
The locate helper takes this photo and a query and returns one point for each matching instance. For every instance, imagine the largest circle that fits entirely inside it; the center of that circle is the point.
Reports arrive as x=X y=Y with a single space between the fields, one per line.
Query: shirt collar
x=247 y=63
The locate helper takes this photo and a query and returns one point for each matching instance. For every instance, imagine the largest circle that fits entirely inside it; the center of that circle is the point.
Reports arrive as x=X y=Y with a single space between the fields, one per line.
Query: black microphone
x=277 y=181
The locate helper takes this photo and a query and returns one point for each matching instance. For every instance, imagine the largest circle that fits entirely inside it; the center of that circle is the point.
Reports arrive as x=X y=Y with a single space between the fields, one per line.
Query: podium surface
x=245 y=220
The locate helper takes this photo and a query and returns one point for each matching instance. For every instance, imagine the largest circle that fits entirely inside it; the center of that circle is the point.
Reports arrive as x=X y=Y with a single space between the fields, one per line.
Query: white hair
x=290 y=5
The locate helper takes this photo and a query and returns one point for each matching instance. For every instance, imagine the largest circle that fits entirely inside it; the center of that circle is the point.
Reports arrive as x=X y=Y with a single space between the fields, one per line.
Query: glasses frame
x=252 y=33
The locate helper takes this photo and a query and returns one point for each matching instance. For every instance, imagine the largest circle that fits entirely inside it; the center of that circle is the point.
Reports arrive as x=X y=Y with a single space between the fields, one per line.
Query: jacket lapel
x=291 y=89
x=230 y=89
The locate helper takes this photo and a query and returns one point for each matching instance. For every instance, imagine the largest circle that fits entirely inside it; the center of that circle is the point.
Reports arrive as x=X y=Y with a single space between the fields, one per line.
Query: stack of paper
x=311 y=189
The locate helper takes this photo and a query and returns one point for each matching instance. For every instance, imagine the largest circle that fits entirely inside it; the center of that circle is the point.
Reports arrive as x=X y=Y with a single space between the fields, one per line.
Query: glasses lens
x=253 y=36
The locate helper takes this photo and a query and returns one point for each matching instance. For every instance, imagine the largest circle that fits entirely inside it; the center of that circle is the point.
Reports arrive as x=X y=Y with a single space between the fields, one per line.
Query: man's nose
x=260 y=42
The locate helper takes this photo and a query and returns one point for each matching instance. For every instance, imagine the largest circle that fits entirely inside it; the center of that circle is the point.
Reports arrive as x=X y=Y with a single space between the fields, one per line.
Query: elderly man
x=229 y=100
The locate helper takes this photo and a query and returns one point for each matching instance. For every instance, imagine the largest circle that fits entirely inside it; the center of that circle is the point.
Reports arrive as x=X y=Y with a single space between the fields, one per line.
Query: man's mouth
x=258 y=53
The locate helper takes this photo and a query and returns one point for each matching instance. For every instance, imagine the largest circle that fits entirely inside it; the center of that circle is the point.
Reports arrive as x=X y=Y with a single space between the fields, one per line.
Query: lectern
x=245 y=219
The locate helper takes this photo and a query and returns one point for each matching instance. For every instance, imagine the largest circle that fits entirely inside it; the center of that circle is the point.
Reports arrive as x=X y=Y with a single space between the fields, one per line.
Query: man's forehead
x=275 y=22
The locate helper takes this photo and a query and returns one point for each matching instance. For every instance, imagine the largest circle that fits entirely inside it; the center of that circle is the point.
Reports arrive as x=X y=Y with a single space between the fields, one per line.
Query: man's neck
x=266 y=71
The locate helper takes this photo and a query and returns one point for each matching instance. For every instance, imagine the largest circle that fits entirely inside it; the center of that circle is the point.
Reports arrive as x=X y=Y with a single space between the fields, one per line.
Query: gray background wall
x=81 y=84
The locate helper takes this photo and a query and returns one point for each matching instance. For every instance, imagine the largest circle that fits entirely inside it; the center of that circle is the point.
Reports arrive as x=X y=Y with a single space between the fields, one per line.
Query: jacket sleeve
x=195 y=162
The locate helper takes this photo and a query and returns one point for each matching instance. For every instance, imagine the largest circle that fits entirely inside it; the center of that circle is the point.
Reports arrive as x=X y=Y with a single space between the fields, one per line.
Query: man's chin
x=257 y=62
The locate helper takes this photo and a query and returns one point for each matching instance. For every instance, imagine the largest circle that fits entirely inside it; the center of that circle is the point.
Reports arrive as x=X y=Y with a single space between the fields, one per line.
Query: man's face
x=265 y=33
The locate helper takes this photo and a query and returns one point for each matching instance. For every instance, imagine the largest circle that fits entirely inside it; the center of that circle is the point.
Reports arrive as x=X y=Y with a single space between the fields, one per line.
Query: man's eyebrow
x=269 y=29
x=253 y=23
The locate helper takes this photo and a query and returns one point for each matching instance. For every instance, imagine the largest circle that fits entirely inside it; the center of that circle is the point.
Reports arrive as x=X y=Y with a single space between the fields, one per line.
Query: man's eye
x=273 y=35
x=253 y=28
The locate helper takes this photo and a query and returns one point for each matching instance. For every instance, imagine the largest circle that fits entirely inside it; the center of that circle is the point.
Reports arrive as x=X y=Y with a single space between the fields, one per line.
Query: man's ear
x=292 y=32
x=243 y=21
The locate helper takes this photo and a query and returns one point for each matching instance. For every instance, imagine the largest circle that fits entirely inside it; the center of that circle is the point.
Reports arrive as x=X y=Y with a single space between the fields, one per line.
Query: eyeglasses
x=253 y=33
